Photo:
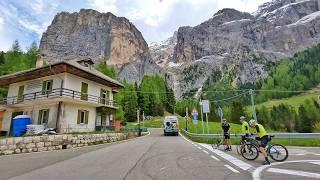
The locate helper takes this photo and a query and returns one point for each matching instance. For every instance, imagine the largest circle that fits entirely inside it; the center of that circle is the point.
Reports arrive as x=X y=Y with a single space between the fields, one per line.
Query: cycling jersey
x=260 y=129
x=245 y=127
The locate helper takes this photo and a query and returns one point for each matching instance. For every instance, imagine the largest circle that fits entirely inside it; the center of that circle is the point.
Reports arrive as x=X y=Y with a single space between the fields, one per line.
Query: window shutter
x=39 y=116
x=43 y=87
x=51 y=85
x=47 y=116
x=101 y=97
x=79 y=115
x=86 y=117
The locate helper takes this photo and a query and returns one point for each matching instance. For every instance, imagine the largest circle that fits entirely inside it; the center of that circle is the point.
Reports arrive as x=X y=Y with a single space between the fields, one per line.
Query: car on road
x=171 y=125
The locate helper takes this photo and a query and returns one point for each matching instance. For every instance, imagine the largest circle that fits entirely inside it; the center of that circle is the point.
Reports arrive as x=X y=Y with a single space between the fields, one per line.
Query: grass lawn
x=155 y=122
x=294 y=101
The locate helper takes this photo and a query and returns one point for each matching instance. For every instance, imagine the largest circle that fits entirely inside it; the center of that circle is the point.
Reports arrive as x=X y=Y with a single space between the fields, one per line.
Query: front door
x=14 y=114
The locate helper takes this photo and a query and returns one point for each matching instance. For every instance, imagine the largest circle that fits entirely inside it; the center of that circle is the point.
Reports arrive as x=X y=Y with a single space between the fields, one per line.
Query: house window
x=104 y=96
x=84 y=91
x=47 y=86
x=83 y=117
x=43 y=116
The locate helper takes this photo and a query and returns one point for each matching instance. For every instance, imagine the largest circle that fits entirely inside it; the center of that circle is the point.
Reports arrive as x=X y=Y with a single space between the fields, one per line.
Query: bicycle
x=277 y=152
x=218 y=142
x=244 y=140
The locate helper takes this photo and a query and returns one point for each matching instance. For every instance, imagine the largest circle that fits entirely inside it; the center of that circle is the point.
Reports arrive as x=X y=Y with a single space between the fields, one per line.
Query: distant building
x=71 y=96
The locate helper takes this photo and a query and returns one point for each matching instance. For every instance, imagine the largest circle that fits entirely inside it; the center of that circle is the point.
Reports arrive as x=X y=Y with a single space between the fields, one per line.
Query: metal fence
x=276 y=135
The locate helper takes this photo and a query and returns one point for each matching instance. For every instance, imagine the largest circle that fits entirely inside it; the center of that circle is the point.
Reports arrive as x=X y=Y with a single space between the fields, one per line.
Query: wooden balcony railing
x=59 y=92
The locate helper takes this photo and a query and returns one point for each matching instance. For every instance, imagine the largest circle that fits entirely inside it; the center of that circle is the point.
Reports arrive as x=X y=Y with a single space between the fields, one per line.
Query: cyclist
x=262 y=137
x=244 y=128
x=226 y=133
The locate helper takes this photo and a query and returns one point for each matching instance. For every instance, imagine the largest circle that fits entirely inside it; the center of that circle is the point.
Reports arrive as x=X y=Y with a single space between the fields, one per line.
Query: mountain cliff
x=239 y=46
x=102 y=37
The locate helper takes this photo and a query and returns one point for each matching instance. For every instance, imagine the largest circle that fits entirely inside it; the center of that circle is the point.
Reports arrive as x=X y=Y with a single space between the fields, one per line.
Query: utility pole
x=207 y=123
x=142 y=119
x=138 y=114
x=253 y=106
x=187 y=118
x=201 y=115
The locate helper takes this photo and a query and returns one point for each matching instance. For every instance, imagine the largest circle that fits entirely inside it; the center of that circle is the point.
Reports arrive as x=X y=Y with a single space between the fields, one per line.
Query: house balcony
x=56 y=95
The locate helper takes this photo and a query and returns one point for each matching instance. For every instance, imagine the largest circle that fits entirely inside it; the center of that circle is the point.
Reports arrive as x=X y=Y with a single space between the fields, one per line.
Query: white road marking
x=199 y=147
x=231 y=168
x=257 y=172
x=205 y=151
x=295 y=173
x=298 y=154
x=213 y=157
x=237 y=162
x=317 y=163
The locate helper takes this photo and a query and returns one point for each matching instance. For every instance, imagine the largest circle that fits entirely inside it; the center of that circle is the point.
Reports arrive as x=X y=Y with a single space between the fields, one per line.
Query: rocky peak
x=227 y=14
x=102 y=37
x=239 y=45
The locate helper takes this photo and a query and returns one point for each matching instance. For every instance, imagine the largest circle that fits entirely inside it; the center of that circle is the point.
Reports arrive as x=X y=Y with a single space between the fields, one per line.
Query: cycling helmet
x=251 y=122
x=243 y=118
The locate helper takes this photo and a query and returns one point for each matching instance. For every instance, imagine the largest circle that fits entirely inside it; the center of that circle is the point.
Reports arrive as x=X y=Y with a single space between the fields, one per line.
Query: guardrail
x=276 y=135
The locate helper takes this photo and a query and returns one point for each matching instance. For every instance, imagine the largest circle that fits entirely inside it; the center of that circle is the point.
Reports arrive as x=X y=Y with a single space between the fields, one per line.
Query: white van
x=171 y=125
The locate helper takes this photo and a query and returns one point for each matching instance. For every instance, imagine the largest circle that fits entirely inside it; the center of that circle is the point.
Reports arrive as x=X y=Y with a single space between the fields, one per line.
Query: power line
x=225 y=99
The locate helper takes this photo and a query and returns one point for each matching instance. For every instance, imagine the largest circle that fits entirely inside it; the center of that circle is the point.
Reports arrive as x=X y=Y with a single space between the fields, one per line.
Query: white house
x=68 y=95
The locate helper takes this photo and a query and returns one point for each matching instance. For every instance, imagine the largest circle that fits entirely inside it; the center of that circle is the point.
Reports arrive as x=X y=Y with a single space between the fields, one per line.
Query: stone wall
x=17 y=145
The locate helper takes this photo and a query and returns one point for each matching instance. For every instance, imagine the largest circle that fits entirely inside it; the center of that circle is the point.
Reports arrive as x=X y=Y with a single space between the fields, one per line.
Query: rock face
x=101 y=37
x=240 y=44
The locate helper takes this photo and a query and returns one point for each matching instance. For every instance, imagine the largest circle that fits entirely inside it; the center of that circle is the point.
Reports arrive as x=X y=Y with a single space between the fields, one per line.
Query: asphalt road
x=154 y=157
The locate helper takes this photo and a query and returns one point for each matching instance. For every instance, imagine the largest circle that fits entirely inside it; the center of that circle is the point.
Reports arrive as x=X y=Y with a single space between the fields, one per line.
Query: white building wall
x=35 y=85
x=33 y=112
x=74 y=82
x=70 y=117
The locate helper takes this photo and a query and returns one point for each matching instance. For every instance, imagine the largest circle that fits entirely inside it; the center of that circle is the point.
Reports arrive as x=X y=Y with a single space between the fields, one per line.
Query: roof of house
x=72 y=67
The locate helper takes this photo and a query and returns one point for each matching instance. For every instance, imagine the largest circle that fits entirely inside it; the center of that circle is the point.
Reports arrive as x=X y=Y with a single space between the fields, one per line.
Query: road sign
x=205 y=105
x=220 y=112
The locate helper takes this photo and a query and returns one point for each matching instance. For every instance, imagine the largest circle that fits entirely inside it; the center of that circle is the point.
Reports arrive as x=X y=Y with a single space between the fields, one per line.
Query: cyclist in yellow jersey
x=262 y=137
x=244 y=127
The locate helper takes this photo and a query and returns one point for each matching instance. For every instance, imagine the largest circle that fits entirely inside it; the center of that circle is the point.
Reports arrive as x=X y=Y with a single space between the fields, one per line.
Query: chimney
x=40 y=61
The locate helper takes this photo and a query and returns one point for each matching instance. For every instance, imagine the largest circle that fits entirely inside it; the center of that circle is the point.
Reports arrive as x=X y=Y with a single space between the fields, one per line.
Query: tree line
x=15 y=59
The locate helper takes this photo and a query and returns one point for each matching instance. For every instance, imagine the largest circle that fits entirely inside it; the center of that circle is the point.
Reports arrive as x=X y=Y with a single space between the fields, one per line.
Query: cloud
x=37 y=6
x=1 y=22
x=104 y=5
x=156 y=19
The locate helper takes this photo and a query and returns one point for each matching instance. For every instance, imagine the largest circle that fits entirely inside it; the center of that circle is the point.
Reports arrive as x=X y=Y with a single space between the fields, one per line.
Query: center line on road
x=205 y=151
x=293 y=172
x=231 y=168
x=213 y=157
x=237 y=162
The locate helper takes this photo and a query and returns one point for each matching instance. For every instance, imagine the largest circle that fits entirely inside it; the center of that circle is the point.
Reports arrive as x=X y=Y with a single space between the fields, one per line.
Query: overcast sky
x=26 y=20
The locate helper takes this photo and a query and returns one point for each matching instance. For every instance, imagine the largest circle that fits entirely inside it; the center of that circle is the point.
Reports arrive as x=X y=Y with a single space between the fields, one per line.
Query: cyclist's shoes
x=266 y=163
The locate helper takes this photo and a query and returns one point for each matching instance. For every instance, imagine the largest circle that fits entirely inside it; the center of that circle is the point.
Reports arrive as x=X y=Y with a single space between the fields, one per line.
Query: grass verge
x=285 y=142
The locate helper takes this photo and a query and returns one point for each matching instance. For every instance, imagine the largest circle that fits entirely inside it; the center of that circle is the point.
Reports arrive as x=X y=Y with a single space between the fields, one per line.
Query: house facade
x=71 y=96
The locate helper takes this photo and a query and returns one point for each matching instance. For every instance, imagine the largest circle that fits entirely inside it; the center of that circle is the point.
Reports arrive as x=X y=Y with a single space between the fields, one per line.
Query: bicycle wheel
x=278 y=152
x=239 y=147
x=216 y=144
x=249 y=151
